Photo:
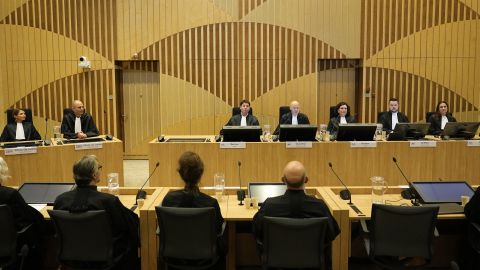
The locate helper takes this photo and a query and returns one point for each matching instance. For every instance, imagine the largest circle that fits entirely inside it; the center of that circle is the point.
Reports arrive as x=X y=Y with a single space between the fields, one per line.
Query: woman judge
x=19 y=130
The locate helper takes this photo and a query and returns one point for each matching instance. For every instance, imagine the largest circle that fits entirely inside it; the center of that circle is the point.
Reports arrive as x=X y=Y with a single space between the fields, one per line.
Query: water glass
x=379 y=133
x=57 y=133
x=379 y=187
x=113 y=185
x=219 y=185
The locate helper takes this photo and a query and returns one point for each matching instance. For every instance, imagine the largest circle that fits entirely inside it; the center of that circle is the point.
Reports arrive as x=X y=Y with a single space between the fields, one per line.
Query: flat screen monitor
x=21 y=144
x=356 y=132
x=241 y=134
x=43 y=193
x=88 y=139
x=412 y=131
x=302 y=133
x=443 y=191
x=262 y=191
x=465 y=130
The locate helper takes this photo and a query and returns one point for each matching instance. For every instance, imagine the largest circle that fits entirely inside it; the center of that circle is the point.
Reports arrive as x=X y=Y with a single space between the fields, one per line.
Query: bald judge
x=294 y=117
x=78 y=124
x=296 y=204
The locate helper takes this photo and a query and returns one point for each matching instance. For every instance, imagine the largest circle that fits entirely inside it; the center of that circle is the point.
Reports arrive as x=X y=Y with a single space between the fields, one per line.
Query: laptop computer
x=43 y=193
x=445 y=194
x=262 y=191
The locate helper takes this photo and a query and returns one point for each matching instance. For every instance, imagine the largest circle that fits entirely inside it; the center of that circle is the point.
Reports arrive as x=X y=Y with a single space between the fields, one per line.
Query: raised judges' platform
x=354 y=162
x=54 y=163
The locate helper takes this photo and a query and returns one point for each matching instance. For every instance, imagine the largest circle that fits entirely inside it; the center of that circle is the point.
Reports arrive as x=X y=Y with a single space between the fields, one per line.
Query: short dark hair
x=393 y=99
x=340 y=104
x=84 y=169
x=190 y=168
x=244 y=101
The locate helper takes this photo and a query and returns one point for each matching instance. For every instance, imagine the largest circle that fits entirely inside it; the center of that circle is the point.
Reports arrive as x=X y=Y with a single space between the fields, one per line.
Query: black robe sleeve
x=88 y=126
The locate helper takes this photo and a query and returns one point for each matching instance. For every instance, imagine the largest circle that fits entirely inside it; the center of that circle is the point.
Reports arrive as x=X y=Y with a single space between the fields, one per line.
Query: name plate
x=21 y=150
x=423 y=144
x=363 y=144
x=88 y=145
x=233 y=145
x=473 y=143
x=298 y=144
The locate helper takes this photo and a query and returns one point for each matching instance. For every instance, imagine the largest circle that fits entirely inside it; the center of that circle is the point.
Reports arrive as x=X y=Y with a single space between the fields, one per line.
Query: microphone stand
x=240 y=192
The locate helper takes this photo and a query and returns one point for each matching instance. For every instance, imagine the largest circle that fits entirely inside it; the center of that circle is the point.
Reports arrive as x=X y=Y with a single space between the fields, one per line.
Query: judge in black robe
x=9 y=133
x=287 y=118
x=88 y=127
x=435 y=119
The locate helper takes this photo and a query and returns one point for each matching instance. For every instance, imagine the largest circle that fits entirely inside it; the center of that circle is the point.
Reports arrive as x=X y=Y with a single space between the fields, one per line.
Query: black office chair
x=236 y=110
x=333 y=112
x=8 y=239
x=400 y=231
x=380 y=115
x=428 y=115
x=11 y=119
x=86 y=240
x=281 y=111
x=188 y=237
x=294 y=243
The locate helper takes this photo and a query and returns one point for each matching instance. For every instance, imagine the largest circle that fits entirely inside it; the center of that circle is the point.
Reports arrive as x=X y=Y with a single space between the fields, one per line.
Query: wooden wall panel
x=424 y=52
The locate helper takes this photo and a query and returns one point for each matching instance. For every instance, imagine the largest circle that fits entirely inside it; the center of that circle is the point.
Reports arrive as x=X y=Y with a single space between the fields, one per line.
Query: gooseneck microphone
x=344 y=194
x=142 y=194
x=240 y=192
x=46 y=142
x=406 y=194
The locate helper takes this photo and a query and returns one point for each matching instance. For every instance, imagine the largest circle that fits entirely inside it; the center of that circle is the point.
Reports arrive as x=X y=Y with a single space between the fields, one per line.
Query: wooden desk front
x=54 y=163
x=232 y=213
x=264 y=162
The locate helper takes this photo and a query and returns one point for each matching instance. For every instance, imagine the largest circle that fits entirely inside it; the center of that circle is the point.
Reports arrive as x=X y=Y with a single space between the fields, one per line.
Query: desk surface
x=54 y=163
x=264 y=162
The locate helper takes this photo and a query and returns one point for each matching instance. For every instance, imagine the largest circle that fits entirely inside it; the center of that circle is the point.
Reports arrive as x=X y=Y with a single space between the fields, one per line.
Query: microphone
x=240 y=192
x=344 y=194
x=45 y=141
x=108 y=136
x=142 y=194
x=406 y=194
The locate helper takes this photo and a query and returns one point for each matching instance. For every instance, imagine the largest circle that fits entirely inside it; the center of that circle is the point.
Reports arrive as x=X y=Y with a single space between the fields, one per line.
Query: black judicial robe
x=287 y=120
x=436 y=123
x=86 y=120
x=335 y=122
x=237 y=119
x=386 y=120
x=10 y=131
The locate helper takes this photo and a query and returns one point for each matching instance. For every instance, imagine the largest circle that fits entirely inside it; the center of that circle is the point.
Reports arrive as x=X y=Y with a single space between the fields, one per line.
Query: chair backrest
x=8 y=236
x=187 y=233
x=473 y=236
x=333 y=112
x=85 y=238
x=428 y=115
x=281 y=111
x=294 y=243
x=402 y=231
x=11 y=119
x=236 y=110
x=67 y=111
x=379 y=116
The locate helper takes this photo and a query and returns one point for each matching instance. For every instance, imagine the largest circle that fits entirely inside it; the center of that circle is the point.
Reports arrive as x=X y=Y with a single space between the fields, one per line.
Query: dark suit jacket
x=10 y=131
x=386 y=120
x=472 y=208
x=296 y=204
x=124 y=223
x=88 y=126
x=182 y=198
x=236 y=120
x=287 y=120
x=436 y=123
x=23 y=213
x=335 y=121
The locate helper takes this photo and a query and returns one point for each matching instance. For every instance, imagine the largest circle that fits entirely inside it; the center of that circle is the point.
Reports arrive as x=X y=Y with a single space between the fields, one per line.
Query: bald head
x=295 y=107
x=78 y=108
x=294 y=175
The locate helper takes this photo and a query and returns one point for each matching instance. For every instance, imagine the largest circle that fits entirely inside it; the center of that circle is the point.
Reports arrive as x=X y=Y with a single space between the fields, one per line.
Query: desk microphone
x=142 y=194
x=344 y=194
x=406 y=194
x=108 y=136
x=240 y=192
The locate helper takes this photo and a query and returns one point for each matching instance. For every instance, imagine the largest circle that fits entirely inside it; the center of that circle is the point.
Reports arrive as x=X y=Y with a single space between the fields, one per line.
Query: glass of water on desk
x=219 y=185
x=113 y=185
x=57 y=133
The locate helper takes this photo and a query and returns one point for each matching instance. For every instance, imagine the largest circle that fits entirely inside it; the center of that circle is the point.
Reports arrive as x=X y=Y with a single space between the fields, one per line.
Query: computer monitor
x=412 y=131
x=242 y=134
x=301 y=133
x=262 y=191
x=466 y=130
x=356 y=132
x=442 y=191
x=43 y=193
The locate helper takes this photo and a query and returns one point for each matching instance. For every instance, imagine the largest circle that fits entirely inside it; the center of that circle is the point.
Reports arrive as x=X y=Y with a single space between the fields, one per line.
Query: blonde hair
x=3 y=170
